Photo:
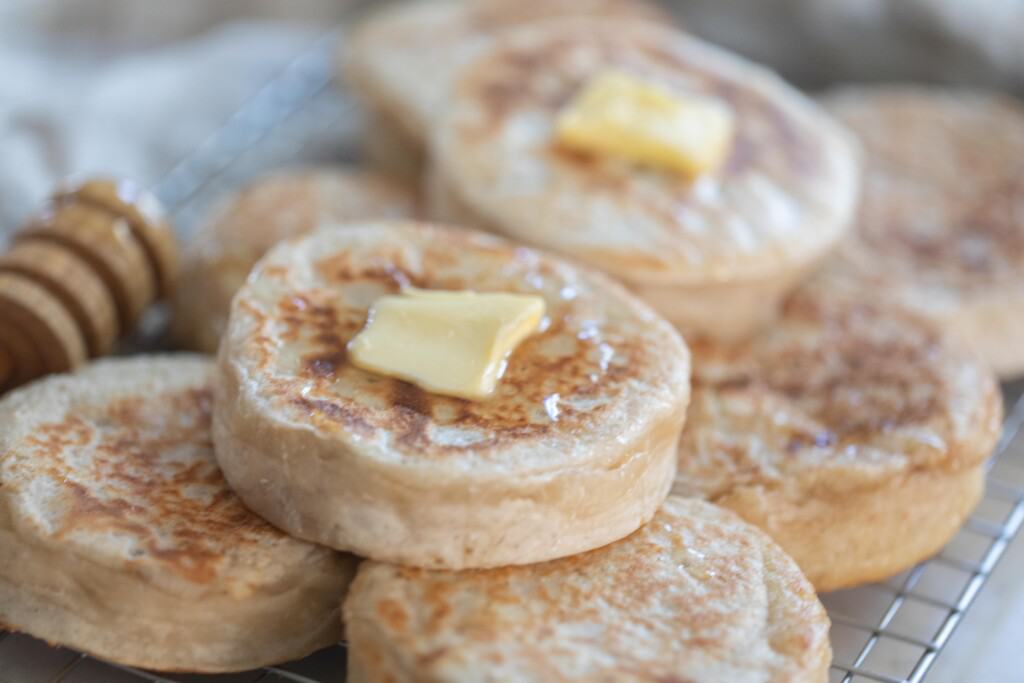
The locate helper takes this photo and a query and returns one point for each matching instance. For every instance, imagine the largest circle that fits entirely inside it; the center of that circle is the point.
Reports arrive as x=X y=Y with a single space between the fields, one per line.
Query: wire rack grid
x=890 y=632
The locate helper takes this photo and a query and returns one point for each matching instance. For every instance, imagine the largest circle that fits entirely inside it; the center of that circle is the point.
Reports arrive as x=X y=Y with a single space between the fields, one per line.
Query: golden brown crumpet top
x=576 y=448
x=126 y=478
x=695 y=595
x=243 y=227
x=851 y=432
x=120 y=538
x=839 y=394
x=782 y=198
x=601 y=363
x=405 y=57
x=941 y=226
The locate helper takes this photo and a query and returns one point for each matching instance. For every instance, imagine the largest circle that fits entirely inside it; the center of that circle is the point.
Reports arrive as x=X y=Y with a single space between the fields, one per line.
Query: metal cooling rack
x=890 y=632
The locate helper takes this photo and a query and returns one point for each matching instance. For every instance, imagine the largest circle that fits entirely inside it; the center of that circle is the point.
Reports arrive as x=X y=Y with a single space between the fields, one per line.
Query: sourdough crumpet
x=401 y=61
x=715 y=254
x=273 y=208
x=851 y=432
x=570 y=453
x=119 y=536
x=941 y=225
x=696 y=595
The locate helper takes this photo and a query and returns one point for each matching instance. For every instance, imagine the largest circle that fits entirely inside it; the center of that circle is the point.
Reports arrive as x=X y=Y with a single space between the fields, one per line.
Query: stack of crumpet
x=656 y=375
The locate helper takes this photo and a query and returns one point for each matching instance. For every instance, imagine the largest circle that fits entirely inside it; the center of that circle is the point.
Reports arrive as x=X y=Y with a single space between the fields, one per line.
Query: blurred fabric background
x=127 y=87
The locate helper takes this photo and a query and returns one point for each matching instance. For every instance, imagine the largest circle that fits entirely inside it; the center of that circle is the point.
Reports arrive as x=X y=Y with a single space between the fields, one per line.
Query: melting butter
x=454 y=343
x=622 y=115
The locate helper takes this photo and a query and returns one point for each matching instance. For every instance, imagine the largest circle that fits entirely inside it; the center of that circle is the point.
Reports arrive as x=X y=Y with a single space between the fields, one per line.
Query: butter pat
x=451 y=343
x=621 y=115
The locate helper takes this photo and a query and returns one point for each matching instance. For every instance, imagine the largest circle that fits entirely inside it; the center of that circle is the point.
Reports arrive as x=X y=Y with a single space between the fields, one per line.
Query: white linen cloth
x=69 y=109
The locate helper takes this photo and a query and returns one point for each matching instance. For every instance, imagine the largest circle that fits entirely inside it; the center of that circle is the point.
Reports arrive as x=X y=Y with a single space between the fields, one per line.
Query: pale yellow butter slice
x=625 y=116
x=451 y=343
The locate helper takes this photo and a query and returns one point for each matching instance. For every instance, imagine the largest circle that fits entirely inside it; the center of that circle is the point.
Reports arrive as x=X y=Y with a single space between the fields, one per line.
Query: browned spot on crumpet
x=387 y=270
x=327 y=364
x=394 y=615
x=326 y=413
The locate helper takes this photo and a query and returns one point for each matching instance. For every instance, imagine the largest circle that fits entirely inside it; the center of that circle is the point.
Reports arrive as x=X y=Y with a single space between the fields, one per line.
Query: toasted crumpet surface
x=941 y=226
x=695 y=595
x=113 y=511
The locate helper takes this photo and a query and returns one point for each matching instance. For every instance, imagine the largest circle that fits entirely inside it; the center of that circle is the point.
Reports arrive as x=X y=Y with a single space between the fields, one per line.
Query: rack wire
x=890 y=632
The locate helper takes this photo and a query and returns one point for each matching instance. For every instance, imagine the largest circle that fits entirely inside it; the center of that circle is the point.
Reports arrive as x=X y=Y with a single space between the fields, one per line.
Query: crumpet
x=941 y=226
x=120 y=538
x=851 y=432
x=695 y=595
x=574 y=450
x=713 y=254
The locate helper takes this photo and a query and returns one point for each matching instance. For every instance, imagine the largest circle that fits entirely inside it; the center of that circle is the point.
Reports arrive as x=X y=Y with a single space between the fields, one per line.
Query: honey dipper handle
x=6 y=368
x=79 y=275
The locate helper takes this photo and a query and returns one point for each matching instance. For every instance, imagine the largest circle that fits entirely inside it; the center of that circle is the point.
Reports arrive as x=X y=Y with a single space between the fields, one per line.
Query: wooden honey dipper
x=79 y=275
